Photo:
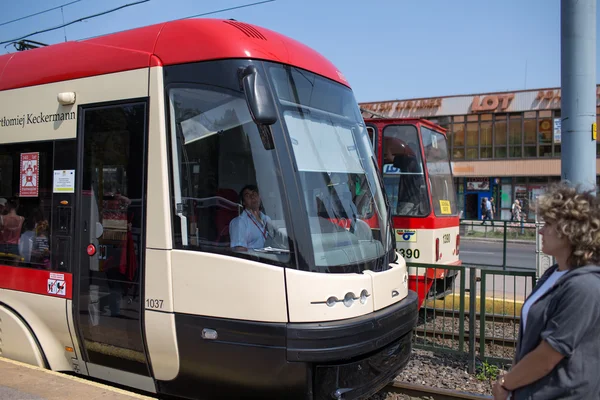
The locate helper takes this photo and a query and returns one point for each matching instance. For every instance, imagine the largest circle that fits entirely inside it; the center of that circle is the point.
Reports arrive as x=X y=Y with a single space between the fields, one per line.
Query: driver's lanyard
x=263 y=232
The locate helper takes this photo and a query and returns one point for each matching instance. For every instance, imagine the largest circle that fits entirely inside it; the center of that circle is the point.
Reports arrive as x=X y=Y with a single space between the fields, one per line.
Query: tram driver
x=250 y=229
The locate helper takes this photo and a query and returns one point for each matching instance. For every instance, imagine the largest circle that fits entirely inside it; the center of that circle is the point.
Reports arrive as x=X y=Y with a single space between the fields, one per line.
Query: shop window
x=515 y=152
x=530 y=131
x=472 y=153
x=557 y=149
x=25 y=205
x=514 y=130
x=486 y=117
x=458 y=132
x=545 y=130
x=472 y=133
x=458 y=154
x=500 y=131
x=485 y=134
x=485 y=152
x=515 y=137
x=485 y=140
x=545 y=151
x=459 y=118
x=530 y=151
x=473 y=118
x=500 y=152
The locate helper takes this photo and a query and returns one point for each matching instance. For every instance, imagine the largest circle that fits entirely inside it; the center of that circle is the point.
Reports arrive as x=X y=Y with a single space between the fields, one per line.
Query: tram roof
x=168 y=43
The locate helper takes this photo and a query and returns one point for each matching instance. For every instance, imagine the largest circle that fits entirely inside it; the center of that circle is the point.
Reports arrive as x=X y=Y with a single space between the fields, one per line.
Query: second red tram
x=415 y=166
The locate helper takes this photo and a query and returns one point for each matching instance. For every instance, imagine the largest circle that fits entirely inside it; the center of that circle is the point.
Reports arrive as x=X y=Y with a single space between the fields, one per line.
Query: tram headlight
x=349 y=299
x=363 y=296
x=331 y=301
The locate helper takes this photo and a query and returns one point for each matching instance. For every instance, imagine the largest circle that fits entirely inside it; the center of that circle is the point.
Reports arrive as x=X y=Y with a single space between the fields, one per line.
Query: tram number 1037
x=410 y=253
x=154 y=303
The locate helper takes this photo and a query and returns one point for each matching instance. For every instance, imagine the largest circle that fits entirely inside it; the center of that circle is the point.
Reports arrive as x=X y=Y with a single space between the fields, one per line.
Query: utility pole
x=578 y=92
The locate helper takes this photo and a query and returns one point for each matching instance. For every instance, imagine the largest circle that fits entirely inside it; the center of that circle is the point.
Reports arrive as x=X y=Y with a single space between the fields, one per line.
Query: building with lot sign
x=505 y=145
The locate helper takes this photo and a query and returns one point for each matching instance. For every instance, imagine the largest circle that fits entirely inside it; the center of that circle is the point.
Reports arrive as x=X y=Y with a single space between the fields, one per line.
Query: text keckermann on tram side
x=34 y=118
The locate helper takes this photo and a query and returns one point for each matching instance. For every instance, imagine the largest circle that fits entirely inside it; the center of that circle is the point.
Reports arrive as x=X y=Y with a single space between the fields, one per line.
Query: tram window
x=443 y=195
x=26 y=179
x=227 y=196
x=403 y=173
x=372 y=136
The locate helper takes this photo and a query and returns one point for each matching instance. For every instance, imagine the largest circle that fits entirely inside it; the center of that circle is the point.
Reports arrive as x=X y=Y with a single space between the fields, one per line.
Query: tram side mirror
x=260 y=102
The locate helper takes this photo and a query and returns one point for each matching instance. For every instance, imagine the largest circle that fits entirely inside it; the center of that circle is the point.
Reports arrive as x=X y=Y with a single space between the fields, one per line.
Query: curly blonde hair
x=576 y=215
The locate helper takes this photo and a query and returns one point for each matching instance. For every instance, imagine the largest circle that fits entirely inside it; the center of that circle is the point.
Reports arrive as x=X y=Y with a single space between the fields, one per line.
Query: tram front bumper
x=355 y=358
x=346 y=359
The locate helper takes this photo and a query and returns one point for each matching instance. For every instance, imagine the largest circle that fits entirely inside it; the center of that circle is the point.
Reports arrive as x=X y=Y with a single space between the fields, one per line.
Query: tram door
x=110 y=227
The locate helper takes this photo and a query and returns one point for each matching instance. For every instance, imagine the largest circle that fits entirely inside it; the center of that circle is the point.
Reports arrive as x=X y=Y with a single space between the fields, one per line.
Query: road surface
x=490 y=253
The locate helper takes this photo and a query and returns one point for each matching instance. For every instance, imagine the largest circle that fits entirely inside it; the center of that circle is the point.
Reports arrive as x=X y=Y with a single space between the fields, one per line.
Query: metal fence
x=476 y=312
x=504 y=231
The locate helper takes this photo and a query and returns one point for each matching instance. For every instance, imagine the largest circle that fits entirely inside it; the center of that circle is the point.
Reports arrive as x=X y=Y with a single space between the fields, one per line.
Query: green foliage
x=487 y=372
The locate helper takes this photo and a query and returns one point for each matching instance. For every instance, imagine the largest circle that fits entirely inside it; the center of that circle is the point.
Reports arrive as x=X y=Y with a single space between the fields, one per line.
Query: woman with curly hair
x=558 y=350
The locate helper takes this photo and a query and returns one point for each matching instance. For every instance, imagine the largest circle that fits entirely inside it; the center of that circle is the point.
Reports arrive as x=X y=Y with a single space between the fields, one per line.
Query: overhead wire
x=226 y=9
x=119 y=8
x=75 y=21
x=207 y=13
x=38 y=13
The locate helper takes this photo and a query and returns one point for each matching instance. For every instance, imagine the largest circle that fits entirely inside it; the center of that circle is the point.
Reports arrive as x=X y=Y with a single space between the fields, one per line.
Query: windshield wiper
x=270 y=249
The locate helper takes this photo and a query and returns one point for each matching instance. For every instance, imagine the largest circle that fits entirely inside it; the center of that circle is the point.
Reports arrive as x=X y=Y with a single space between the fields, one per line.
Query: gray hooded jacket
x=567 y=316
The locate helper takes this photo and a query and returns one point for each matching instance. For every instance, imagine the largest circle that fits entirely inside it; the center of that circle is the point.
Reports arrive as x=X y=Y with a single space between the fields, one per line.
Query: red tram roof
x=168 y=43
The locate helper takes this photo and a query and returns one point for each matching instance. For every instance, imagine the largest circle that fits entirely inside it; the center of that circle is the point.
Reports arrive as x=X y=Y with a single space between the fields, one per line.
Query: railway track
x=506 y=342
x=414 y=391
x=497 y=318
x=505 y=337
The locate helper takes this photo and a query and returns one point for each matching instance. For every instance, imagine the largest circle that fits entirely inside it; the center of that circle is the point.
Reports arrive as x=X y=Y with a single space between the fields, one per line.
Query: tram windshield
x=230 y=185
x=403 y=173
x=336 y=170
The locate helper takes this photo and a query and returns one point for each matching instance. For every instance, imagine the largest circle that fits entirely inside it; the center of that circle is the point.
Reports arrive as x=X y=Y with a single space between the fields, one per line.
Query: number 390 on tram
x=171 y=218
x=414 y=161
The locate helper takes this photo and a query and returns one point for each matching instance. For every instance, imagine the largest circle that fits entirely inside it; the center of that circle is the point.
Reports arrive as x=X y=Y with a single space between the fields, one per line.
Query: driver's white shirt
x=246 y=231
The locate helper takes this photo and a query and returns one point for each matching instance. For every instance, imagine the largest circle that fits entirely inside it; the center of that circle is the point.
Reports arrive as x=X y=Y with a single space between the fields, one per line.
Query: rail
x=423 y=392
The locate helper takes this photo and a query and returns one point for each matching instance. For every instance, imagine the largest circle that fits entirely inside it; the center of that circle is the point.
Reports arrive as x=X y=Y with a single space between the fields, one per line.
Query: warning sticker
x=60 y=277
x=57 y=287
x=29 y=181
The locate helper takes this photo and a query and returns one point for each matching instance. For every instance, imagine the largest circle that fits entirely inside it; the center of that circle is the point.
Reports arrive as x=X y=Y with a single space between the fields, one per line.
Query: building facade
x=505 y=145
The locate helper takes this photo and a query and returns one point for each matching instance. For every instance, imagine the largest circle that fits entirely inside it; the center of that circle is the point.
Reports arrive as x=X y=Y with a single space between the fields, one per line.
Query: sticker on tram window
x=410 y=253
x=56 y=286
x=406 y=235
x=445 y=207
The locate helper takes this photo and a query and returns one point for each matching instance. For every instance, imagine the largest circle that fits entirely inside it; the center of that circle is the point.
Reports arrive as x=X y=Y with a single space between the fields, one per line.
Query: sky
x=387 y=49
